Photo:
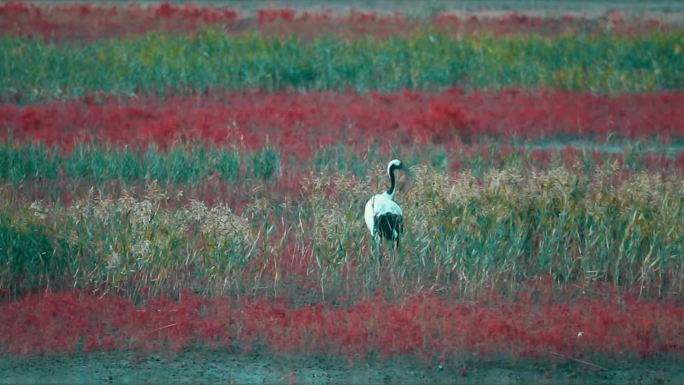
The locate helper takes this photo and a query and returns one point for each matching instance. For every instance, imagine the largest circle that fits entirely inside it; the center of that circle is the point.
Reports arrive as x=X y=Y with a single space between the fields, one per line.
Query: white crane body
x=385 y=213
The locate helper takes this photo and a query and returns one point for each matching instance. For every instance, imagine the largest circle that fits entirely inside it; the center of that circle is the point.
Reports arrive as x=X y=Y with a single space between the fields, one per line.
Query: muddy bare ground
x=223 y=367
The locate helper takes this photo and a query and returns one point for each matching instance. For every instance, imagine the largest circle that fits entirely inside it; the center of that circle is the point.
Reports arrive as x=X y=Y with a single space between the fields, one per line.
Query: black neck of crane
x=390 y=192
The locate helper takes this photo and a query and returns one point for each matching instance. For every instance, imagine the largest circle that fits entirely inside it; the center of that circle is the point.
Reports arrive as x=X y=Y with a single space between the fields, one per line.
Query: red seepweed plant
x=87 y=22
x=535 y=323
x=296 y=123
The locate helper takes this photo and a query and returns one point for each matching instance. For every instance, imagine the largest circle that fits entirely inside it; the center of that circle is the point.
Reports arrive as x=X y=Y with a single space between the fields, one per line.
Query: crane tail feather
x=389 y=226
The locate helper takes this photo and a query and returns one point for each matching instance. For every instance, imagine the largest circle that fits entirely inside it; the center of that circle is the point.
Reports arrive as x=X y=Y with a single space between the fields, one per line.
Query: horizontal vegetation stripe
x=178 y=164
x=83 y=22
x=462 y=232
x=193 y=163
x=426 y=326
x=31 y=70
x=282 y=119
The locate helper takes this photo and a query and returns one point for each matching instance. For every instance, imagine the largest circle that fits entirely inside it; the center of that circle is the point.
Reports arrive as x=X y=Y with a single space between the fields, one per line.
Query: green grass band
x=32 y=69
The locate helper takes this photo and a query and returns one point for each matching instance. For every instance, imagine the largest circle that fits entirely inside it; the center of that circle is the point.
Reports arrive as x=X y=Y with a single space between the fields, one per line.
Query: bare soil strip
x=226 y=368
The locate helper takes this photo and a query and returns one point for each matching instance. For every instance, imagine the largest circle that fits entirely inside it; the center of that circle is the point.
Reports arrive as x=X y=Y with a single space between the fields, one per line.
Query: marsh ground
x=223 y=367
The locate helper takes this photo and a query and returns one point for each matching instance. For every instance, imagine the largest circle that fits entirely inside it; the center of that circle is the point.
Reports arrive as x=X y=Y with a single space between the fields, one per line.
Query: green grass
x=193 y=163
x=31 y=69
x=99 y=164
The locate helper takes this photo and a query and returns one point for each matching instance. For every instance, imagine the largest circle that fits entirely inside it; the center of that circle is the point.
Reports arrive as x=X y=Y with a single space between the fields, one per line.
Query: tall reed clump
x=131 y=244
x=464 y=233
x=508 y=227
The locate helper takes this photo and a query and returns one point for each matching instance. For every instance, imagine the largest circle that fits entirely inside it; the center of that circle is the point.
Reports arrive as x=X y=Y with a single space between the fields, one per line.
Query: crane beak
x=407 y=171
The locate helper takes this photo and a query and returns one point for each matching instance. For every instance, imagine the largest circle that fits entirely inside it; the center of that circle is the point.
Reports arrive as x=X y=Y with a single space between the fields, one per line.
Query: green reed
x=158 y=63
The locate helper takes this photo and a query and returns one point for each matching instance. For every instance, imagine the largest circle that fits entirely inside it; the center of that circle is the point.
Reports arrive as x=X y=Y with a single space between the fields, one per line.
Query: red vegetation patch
x=86 y=22
x=427 y=326
x=298 y=123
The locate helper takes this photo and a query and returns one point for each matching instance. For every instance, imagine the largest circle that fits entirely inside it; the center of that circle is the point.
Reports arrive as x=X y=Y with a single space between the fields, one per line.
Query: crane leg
x=378 y=248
